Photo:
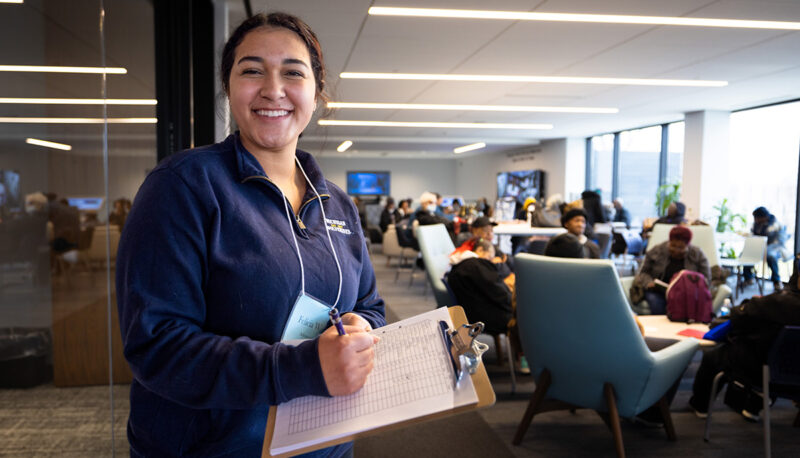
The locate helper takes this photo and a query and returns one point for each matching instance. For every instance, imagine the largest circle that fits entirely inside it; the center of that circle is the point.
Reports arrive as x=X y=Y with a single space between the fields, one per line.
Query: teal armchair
x=584 y=347
x=435 y=245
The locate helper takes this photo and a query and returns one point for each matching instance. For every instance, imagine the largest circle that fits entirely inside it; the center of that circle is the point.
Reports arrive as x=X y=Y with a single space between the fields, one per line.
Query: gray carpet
x=76 y=422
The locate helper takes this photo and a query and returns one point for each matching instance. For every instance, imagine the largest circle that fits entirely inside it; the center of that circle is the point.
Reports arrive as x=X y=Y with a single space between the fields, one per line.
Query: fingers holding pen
x=347 y=360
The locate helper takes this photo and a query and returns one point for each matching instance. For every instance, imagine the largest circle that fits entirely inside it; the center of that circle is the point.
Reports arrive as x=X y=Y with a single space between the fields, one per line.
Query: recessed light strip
x=472 y=147
x=46 y=144
x=511 y=108
x=56 y=69
x=39 y=101
x=442 y=125
x=11 y=1
x=571 y=17
x=344 y=146
x=15 y=120
x=533 y=79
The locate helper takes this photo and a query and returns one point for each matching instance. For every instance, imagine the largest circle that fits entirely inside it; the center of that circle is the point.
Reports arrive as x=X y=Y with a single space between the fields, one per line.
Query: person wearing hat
x=482 y=227
x=767 y=225
x=661 y=263
x=676 y=214
x=574 y=221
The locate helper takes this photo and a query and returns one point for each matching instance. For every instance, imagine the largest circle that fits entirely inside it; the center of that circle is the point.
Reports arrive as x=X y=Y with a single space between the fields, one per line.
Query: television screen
x=447 y=201
x=10 y=197
x=520 y=184
x=86 y=203
x=368 y=183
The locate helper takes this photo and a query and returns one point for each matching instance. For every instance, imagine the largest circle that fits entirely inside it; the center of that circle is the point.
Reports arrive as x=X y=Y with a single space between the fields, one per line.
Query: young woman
x=230 y=249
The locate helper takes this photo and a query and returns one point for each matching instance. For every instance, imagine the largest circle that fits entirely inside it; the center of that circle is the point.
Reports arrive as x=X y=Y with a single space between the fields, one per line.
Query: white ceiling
x=762 y=66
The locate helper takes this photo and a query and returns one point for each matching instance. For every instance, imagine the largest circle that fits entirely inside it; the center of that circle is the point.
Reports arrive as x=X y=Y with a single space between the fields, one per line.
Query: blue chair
x=435 y=245
x=584 y=347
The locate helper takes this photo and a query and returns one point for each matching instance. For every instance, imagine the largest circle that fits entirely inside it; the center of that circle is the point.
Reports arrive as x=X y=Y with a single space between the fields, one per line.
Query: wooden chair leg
x=611 y=402
x=536 y=399
x=498 y=345
x=663 y=406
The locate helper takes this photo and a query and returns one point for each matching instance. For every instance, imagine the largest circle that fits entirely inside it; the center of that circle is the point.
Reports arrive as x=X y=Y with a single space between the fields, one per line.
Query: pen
x=337 y=321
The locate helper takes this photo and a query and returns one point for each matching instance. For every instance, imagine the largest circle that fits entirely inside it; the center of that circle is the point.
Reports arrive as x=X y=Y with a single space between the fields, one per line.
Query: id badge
x=308 y=319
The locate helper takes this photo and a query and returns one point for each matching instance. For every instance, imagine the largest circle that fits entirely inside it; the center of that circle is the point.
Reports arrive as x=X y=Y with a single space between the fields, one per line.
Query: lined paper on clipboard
x=412 y=377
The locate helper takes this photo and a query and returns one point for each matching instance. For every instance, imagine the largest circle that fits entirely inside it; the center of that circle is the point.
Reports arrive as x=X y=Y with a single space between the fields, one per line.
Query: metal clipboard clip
x=464 y=349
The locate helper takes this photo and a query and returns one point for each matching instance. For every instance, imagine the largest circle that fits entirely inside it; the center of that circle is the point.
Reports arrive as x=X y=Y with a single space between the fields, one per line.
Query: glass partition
x=639 y=154
x=602 y=165
x=68 y=164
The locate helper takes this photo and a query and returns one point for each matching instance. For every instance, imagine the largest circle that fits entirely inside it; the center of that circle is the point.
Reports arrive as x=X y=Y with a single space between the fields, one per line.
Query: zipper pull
x=300 y=222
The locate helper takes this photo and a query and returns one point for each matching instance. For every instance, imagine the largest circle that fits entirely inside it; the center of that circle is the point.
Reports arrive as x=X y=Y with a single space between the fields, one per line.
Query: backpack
x=688 y=298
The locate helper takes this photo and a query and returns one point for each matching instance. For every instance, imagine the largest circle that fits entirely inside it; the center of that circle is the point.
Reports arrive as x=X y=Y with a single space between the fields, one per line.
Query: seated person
x=565 y=246
x=575 y=222
x=480 y=287
x=388 y=214
x=676 y=214
x=661 y=263
x=754 y=326
x=482 y=227
x=426 y=214
x=767 y=225
x=621 y=215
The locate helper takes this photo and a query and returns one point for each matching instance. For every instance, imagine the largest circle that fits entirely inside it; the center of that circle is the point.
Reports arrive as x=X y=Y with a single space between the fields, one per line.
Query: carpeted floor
x=76 y=422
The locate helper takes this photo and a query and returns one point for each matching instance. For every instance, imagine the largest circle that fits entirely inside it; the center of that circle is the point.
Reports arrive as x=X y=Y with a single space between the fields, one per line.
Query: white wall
x=563 y=160
x=409 y=178
x=705 y=161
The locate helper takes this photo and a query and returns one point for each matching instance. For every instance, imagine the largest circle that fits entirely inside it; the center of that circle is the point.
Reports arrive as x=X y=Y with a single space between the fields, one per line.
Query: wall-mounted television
x=10 y=197
x=520 y=184
x=368 y=183
x=86 y=203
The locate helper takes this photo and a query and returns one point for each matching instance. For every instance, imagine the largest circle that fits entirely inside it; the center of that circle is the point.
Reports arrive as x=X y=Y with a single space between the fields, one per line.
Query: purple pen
x=337 y=321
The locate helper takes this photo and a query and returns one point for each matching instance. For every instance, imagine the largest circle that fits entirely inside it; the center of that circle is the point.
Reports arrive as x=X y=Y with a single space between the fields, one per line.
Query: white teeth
x=272 y=113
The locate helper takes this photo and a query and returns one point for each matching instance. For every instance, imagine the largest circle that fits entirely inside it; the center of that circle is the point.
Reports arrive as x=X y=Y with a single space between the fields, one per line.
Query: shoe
x=777 y=286
x=751 y=417
x=697 y=412
x=521 y=366
x=748 y=282
x=649 y=419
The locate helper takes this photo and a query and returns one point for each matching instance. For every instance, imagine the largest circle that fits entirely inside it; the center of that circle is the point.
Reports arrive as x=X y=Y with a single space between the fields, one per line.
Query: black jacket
x=478 y=286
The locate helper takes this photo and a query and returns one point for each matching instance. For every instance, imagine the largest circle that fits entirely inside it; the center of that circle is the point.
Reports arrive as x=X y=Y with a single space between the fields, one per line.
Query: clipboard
x=480 y=380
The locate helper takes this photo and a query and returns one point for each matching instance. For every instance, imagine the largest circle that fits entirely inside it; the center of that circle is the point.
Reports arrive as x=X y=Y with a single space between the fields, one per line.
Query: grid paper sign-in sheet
x=412 y=377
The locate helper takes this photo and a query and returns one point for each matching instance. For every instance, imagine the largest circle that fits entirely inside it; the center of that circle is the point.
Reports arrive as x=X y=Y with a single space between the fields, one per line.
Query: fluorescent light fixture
x=56 y=69
x=571 y=17
x=344 y=146
x=46 y=144
x=511 y=108
x=15 y=120
x=472 y=147
x=11 y=1
x=39 y=101
x=533 y=79
x=442 y=125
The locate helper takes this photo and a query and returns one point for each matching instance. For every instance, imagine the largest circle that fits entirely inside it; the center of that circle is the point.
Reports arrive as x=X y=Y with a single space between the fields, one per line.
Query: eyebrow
x=260 y=60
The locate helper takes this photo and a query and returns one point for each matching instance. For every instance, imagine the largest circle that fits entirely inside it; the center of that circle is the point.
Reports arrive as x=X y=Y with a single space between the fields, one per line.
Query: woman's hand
x=346 y=360
x=354 y=319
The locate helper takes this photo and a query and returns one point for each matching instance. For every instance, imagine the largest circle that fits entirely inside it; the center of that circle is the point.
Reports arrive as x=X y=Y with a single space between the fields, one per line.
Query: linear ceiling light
x=46 y=144
x=533 y=79
x=442 y=125
x=21 y=100
x=427 y=106
x=10 y=1
x=15 y=120
x=571 y=17
x=472 y=147
x=56 y=69
x=344 y=146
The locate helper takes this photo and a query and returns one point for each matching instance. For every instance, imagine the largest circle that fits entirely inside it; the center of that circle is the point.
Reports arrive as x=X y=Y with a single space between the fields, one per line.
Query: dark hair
x=480 y=242
x=761 y=212
x=682 y=233
x=564 y=246
x=281 y=20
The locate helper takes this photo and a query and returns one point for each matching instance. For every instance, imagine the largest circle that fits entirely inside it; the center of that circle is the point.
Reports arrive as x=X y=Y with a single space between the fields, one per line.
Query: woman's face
x=272 y=89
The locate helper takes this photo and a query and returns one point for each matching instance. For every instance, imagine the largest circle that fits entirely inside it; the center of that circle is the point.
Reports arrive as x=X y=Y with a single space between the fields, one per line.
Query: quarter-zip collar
x=248 y=167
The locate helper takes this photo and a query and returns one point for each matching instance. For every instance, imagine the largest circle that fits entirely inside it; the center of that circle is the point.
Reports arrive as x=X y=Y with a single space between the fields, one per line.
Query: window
x=602 y=165
x=674 y=173
x=764 y=148
x=639 y=157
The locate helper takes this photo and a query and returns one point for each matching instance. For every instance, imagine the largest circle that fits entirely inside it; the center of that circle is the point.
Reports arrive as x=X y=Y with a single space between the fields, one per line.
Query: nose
x=272 y=87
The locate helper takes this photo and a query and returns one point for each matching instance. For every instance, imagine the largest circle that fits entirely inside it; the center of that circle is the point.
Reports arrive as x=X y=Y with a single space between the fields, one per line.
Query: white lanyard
x=327 y=231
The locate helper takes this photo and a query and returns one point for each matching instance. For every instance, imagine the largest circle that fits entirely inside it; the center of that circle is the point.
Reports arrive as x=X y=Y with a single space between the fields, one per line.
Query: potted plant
x=728 y=221
x=665 y=195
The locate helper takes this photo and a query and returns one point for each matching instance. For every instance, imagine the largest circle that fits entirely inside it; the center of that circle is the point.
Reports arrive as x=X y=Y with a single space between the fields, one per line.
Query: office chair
x=584 y=347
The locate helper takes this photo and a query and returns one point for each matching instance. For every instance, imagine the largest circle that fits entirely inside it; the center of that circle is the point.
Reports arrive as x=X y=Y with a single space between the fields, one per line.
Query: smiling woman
x=243 y=236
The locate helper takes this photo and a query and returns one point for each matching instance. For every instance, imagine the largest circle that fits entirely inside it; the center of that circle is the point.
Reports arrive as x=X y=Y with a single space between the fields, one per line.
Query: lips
x=272 y=113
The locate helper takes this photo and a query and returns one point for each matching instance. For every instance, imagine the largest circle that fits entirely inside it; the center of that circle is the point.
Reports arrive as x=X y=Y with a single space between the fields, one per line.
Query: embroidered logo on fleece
x=337 y=225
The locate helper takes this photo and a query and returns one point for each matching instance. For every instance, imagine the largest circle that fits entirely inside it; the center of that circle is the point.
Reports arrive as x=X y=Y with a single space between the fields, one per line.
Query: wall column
x=705 y=162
